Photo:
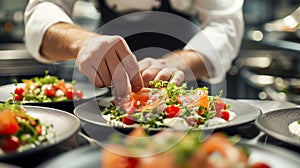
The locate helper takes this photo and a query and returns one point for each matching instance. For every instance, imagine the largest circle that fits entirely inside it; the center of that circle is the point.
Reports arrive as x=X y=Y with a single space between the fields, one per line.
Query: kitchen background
x=268 y=66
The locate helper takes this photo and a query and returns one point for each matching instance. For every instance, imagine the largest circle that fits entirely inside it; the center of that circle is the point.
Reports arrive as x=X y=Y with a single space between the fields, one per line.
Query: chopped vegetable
x=169 y=105
x=46 y=89
x=18 y=128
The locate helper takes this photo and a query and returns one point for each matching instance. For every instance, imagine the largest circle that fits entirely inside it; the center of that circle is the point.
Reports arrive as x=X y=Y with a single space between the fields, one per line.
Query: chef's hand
x=159 y=69
x=108 y=61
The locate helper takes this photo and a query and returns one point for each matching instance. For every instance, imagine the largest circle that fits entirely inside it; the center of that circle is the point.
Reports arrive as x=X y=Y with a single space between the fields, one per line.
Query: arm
x=209 y=54
x=105 y=60
x=222 y=30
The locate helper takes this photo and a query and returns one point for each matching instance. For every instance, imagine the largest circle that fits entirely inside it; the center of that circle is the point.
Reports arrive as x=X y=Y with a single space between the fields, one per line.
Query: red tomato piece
x=18 y=97
x=79 y=94
x=50 y=91
x=8 y=123
x=130 y=162
x=225 y=115
x=172 y=111
x=19 y=91
x=10 y=144
x=128 y=120
x=70 y=94
x=260 y=165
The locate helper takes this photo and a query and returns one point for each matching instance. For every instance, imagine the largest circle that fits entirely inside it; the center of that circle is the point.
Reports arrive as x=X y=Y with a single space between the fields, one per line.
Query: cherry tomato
x=129 y=105
x=220 y=106
x=8 y=123
x=70 y=94
x=19 y=91
x=50 y=91
x=225 y=115
x=260 y=165
x=79 y=94
x=172 y=111
x=18 y=97
x=9 y=144
x=128 y=120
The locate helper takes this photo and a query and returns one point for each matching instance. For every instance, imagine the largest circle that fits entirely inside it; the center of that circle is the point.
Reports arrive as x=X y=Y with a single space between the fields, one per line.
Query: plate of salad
x=26 y=129
x=167 y=106
x=218 y=150
x=48 y=91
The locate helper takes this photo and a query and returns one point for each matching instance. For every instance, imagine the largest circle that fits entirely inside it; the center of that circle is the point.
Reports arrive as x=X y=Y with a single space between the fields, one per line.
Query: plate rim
x=222 y=126
x=105 y=90
x=286 y=154
x=273 y=134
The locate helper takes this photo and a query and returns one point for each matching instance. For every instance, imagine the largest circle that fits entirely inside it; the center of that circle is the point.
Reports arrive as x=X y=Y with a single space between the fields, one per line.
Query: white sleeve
x=222 y=28
x=39 y=16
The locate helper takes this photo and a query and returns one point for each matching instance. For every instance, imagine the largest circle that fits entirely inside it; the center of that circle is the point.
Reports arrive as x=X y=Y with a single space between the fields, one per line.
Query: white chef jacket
x=221 y=23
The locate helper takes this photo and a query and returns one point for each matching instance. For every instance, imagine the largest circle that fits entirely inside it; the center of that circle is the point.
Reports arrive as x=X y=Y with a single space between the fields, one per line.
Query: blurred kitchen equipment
x=11 y=20
x=270 y=74
x=288 y=23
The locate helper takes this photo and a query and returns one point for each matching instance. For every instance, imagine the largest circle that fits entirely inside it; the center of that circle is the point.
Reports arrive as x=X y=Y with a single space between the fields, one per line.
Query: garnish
x=17 y=128
x=168 y=105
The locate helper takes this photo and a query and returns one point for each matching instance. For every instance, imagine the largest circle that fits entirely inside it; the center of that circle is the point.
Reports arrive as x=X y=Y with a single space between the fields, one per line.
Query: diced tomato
x=219 y=106
x=260 y=165
x=18 y=97
x=79 y=94
x=19 y=91
x=70 y=94
x=50 y=91
x=9 y=144
x=8 y=123
x=225 y=115
x=128 y=120
x=201 y=110
x=130 y=162
x=129 y=105
x=172 y=111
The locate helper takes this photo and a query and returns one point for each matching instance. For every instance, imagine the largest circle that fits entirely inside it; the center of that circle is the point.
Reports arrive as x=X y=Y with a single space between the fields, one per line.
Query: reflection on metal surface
x=256 y=35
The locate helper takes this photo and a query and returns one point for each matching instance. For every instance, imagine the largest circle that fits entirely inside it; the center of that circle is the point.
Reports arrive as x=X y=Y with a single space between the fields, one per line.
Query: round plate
x=88 y=90
x=90 y=156
x=276 y=123
x=65 y=125
x=90 y=112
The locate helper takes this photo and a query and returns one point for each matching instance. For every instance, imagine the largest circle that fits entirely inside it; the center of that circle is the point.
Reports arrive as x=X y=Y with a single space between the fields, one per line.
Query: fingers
x=118 y=75
x=130 y=65
x=158 y=69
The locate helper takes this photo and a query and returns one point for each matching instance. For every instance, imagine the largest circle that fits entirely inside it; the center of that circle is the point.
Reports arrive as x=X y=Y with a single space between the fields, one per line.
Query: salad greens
x=154 y=107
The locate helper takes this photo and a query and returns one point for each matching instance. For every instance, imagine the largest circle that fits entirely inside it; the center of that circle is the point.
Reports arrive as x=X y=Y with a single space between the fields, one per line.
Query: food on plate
x=294 y=128
x=46 y=89
x=217 y=151
x=168 y=105
x=19 y=130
